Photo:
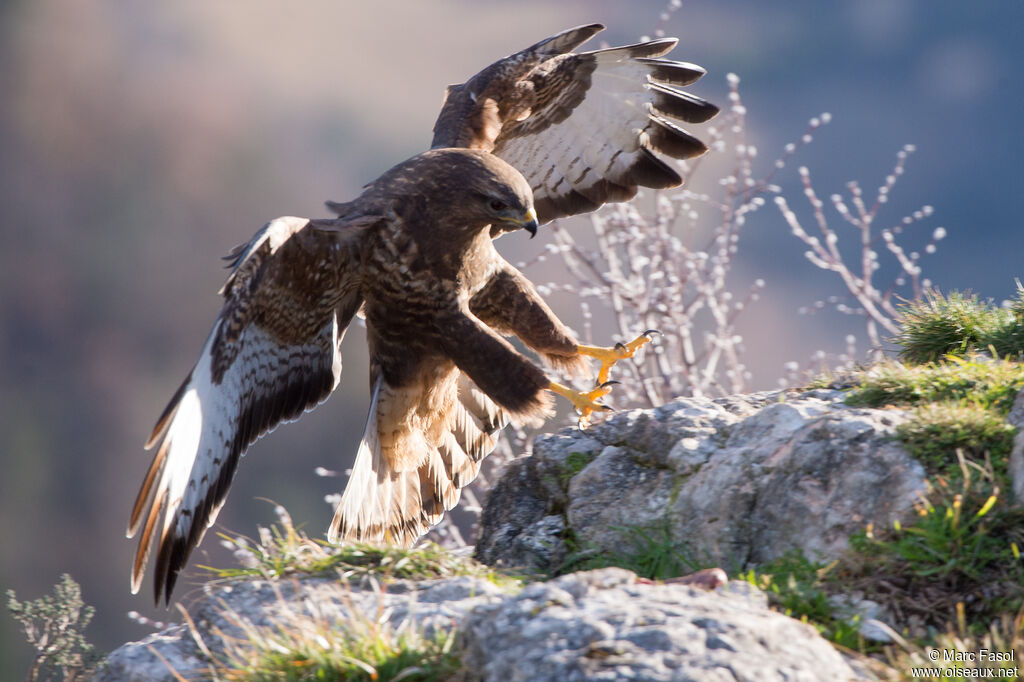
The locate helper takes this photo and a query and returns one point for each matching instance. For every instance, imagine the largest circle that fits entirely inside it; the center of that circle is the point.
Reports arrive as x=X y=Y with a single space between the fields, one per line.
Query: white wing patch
x=212 y=425
x=270 y=356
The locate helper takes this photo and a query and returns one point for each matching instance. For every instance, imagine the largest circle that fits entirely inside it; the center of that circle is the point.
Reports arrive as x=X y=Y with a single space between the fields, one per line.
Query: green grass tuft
x=284 y=550
x=962 y=554
x=1007 y=340
x=938 y=325
x=302 y=643
x=649 y=551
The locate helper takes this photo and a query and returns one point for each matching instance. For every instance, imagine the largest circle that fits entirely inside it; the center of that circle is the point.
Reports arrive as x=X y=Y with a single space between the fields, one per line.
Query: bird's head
x=470 y=189
x=502 y=195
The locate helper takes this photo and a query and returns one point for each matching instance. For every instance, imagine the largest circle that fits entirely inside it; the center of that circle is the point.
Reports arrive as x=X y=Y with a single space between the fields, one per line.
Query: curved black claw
x=651 y=332
x=621 y=346
x=583 y=422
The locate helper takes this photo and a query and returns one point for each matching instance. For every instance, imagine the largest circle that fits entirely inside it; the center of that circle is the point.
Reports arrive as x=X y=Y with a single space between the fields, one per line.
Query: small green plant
x=1007 y=341
x=53 y=625
x=799 y=588
x=938 y=430
x=305 y=641
x=963 y=548
x=649 y=551
x=936 y=326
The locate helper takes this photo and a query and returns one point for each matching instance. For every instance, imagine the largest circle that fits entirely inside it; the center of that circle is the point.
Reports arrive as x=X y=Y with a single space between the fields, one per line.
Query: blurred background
x=140 y=141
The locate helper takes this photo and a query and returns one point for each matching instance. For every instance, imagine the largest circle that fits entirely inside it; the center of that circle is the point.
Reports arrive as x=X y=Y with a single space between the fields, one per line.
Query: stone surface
x=604 y=625
x=427 y=604
x=594 y=625
x=1016 y=466
x=739 y=481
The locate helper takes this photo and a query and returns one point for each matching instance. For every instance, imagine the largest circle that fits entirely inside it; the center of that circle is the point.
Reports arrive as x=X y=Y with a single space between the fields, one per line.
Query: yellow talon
x=585 y=402
x=609 y=356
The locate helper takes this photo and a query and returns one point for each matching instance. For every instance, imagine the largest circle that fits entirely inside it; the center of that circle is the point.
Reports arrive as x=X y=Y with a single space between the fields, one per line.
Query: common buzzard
x=540 y=134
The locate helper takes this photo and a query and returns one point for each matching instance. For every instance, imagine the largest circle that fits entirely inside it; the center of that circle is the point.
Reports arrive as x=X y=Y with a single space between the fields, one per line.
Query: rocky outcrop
x=594 y=625
x=604 y=625
x=738 y=481
x=1016 y=463
x=219 y=613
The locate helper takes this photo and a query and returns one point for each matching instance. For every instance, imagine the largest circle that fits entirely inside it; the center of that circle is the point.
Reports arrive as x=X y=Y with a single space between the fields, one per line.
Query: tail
x=382 y=505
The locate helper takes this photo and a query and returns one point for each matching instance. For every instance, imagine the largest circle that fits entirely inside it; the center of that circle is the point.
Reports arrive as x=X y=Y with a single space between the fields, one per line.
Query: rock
x=872 y=618
x=426 y=604
x=1016 y=465
x=738 y=481
x=153 y=658
x=595 y=625
x=603 y=625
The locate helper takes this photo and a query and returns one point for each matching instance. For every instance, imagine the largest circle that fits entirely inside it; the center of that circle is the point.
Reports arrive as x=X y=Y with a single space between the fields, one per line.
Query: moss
x=937 y=430
x=575 y=462
x=985 y=382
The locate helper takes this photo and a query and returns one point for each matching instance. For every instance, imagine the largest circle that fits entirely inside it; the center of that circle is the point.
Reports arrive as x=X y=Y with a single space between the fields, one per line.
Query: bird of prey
x=541 y=134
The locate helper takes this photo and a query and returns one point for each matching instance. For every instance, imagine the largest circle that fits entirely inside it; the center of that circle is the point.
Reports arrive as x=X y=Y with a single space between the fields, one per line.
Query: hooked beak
x=528 y=222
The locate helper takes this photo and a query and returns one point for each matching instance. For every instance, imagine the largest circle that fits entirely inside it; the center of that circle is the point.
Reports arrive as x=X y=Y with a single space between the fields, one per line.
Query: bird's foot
x=609 y=356
x=585 y=402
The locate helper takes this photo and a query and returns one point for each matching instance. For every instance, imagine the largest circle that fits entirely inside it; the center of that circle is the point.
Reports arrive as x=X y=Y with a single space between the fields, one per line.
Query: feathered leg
x=511 y=305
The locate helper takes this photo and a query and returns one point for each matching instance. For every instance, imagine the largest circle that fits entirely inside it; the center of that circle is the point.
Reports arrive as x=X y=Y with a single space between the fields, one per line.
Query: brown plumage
x=414 y=251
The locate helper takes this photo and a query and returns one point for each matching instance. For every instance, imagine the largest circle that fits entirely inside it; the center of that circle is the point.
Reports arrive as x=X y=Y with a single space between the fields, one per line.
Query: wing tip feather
x=682 y=105
x=164 y=421
x=146 y=489
x=645 y=50
x=567 y=40
x=673 y=72
x=665 y=137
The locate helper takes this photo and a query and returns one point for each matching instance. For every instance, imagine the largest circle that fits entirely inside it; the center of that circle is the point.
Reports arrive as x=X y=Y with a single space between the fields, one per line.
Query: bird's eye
x=497 y=205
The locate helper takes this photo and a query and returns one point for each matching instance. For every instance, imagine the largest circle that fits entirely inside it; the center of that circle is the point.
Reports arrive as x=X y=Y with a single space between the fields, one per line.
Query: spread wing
x=584 y=129
x=273 y=353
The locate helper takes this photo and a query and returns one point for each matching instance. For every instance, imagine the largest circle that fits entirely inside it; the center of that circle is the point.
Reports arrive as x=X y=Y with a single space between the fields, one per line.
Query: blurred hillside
x=140 y=141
